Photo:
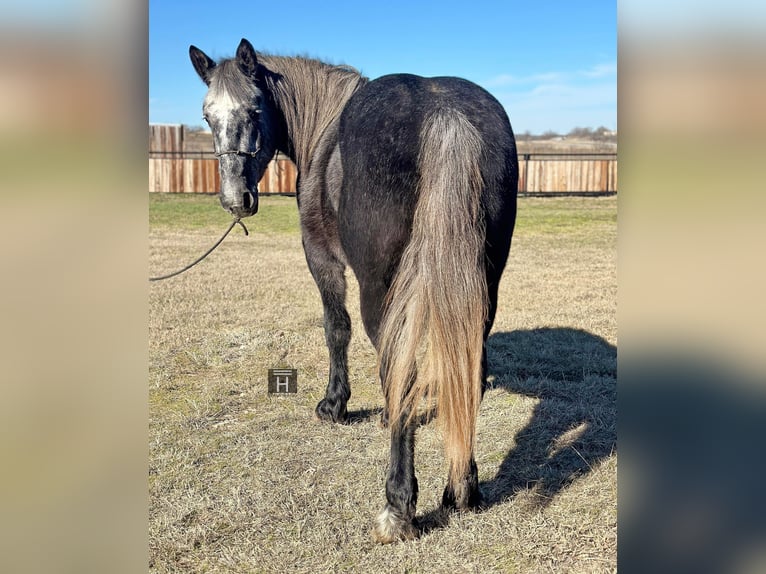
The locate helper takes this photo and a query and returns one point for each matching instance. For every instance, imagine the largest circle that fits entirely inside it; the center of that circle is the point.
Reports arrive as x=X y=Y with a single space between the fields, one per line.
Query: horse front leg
x=329 y=275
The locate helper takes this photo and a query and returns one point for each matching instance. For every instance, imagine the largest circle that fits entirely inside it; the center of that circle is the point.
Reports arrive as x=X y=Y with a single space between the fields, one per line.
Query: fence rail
x=174 y=167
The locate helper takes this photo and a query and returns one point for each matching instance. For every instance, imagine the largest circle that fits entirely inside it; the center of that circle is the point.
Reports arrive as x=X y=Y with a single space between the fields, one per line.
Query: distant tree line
x=599 y=134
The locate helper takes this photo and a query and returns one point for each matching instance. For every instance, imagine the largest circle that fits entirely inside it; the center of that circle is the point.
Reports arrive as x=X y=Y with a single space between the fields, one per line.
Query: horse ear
x=202 y=63
x=246 y=58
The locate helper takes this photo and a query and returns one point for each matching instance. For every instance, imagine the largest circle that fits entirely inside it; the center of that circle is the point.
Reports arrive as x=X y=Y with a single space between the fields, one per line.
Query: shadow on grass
x=573 y=427
x=363 y=415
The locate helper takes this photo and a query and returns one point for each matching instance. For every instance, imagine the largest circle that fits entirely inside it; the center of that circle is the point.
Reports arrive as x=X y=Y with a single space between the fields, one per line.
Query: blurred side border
x=691 y=367
x=73 y=230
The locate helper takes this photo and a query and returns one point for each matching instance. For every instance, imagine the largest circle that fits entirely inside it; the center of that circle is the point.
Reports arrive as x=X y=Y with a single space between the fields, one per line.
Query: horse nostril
x=247 y=200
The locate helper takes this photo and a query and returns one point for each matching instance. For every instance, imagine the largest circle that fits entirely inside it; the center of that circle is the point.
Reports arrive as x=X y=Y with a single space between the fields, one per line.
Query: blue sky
x=552 y=64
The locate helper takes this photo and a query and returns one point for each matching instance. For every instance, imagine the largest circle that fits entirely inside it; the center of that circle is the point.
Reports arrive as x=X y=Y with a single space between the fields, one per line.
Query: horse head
x=239 y=114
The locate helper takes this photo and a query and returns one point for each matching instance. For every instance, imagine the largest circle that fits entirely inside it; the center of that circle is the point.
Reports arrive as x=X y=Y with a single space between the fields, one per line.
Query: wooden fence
x=197 y=172
x=182 y=161
x=561 y=173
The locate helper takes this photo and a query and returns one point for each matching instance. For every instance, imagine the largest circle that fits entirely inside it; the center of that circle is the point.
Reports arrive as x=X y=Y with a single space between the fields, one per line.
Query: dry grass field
x=241 y=481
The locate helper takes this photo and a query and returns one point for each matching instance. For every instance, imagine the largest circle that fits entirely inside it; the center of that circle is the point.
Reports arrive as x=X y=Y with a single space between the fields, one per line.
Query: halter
x=245 y=153
x=239 y=152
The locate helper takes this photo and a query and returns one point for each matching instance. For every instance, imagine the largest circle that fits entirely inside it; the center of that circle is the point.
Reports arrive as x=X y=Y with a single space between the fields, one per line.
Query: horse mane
x=311 y=95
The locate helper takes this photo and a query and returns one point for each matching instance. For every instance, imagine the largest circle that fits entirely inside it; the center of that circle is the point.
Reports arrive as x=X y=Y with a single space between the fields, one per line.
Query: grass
x=243 y=482
x=198 y=212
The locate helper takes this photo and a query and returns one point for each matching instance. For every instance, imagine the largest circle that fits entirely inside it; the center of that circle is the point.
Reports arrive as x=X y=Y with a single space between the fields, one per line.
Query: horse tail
x=436 y=306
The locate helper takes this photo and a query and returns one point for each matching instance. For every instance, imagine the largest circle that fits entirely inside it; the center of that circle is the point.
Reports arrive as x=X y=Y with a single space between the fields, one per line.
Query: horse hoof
x=383 y=422
x=389 y=528
x=329 y=413
x=466 y=501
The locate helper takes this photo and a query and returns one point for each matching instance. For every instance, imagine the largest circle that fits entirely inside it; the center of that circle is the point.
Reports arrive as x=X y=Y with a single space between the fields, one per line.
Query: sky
x=552 y=64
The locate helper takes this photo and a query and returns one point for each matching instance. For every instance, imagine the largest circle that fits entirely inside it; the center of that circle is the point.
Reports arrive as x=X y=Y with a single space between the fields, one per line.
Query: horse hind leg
x=465 y=494
x=372 y=293
x=397 y=519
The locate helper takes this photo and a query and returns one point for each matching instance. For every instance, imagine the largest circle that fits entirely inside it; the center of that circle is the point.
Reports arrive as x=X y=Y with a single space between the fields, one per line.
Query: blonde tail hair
x=437 y=303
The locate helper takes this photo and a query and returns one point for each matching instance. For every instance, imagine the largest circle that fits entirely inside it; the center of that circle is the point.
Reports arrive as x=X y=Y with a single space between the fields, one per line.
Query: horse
x=410 y=181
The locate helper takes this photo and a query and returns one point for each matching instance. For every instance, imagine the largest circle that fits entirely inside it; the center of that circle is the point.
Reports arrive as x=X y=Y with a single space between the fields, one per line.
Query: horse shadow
x=363 y=415
x=573 y=375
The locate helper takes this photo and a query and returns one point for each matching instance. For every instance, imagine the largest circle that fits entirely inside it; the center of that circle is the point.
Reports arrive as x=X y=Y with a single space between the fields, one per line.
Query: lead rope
x=208 y=252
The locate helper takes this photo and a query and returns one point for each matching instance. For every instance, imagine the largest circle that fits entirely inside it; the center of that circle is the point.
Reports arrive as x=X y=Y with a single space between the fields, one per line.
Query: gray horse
x=411 y=182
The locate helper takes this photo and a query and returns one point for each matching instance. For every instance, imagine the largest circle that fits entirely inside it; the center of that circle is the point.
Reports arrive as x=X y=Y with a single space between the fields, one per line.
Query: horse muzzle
x=246 y=205
x=239 y=184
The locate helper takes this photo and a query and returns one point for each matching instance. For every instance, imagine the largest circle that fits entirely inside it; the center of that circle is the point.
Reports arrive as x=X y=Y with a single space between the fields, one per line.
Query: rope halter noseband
x=239 y=152
x=252 y=154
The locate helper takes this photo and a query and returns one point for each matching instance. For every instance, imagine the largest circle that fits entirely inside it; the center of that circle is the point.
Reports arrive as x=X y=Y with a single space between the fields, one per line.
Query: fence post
x=526 y=172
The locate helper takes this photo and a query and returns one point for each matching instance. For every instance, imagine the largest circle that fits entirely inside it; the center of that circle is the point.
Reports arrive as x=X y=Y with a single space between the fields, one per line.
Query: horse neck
x=310 y=95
